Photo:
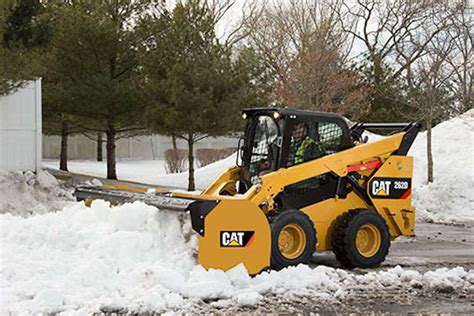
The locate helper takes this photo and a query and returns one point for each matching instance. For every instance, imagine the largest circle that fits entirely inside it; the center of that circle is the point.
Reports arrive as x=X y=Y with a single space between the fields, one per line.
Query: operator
x=305 y=147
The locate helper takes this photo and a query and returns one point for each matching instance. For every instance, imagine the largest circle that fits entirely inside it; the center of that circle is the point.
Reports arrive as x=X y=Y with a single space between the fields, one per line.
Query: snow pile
x=135 y=258
x=451 y=196
x=27 y=193
x=129 y=256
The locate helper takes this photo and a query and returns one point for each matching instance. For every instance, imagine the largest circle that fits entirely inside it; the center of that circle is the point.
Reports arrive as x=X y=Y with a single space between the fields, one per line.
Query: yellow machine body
x=235 y=225
x=247 y=212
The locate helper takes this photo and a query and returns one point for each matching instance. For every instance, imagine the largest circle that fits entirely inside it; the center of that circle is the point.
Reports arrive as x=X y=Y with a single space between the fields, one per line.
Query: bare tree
x=391 y=36
x=224 y=12
x=318 y=80
x=461 y=59
x=385 y=27
x=429 y=96
x=306 y=51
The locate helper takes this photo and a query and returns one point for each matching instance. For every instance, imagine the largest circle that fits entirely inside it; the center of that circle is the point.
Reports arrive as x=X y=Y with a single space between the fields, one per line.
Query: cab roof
x=284 y=111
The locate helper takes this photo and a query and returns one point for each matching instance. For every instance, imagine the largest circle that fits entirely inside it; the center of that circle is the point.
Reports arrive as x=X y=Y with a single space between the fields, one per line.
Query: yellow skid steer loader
x=304 y=182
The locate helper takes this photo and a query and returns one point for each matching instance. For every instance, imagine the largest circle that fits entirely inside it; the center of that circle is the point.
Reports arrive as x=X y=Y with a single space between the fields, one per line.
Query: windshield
x=264 y=134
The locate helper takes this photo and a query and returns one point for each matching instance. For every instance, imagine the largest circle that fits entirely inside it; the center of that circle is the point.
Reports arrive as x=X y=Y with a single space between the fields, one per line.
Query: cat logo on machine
x=390 y=188
x=381 y=188
x=237 y=239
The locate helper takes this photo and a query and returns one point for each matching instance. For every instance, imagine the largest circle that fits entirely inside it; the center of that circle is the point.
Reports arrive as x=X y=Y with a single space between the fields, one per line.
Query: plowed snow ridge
x=137 y=258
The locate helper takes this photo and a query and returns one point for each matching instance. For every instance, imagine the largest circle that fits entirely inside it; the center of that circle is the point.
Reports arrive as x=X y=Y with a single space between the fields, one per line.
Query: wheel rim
x=368 y=240
x=291 y=241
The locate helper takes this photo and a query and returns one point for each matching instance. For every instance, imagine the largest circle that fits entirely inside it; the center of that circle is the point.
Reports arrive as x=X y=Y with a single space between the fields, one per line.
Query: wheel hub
x=368 y=240
x=291 y=241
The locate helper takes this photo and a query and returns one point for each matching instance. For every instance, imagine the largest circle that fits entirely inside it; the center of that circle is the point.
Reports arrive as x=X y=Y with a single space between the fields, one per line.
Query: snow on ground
x=130 y=170
x=450 y=198
x=137 y=258
x=27 y=193
x=148 y=171
x=203 y=176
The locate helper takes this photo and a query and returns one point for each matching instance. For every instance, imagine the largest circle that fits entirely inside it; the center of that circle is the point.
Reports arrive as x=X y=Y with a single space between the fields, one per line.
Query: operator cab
x=281 y=137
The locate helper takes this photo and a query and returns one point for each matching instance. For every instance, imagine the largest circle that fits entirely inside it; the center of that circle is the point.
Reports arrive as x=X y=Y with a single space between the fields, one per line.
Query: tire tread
x=340 y=242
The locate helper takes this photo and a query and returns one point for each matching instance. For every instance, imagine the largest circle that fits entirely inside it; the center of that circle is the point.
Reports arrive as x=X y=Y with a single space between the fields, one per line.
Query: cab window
x=265 y=133
x=313 y=140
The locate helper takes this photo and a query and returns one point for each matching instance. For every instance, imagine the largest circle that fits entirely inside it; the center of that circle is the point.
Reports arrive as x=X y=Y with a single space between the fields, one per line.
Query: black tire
x=281 y=220
x=343 y=239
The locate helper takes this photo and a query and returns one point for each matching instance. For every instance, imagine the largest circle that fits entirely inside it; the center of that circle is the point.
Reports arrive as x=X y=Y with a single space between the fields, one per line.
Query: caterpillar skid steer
x=304 y=182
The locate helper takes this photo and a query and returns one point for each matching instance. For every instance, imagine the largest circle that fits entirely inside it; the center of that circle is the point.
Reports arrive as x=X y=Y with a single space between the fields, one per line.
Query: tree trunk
x=111 y=164
x=429 y=153
x=100 y=140
x=63 y=154
x=191 y=184
x=173 y=140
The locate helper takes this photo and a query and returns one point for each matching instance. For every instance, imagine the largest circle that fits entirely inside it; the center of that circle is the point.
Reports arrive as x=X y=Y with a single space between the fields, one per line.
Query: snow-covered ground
x=148 y=171
x=136 y=258
x=131 y=170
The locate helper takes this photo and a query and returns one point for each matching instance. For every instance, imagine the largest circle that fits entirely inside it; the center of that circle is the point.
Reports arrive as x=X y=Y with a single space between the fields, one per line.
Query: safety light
x=244 y=116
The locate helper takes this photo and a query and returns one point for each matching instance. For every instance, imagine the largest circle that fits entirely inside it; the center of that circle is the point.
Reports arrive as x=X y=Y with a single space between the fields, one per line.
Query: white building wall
x=20 y=128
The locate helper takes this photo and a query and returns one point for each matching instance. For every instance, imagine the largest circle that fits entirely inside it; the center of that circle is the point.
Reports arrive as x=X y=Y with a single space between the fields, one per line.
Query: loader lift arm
x=410 y=129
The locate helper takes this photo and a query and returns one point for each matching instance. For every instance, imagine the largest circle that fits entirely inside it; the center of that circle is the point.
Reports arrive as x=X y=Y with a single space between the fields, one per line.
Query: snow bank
x=450 y=198
x=130 y=256
x=135 y=258
x=27 y=193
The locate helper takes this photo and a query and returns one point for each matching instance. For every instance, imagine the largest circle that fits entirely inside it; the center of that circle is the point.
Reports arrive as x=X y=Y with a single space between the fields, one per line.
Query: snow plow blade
x=119 y=194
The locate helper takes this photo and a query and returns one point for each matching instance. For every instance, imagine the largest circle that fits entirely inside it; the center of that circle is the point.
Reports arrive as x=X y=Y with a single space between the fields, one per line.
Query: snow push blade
x=119 y=194
x=231 y=231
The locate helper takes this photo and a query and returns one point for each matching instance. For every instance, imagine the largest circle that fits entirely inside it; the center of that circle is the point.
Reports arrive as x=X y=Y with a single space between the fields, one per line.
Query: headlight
x=276 y=115
x=244 y=116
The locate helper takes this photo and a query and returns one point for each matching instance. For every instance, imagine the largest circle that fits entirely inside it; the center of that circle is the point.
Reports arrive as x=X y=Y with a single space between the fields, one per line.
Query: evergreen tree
x=95 y=57
x=387 y=93
x=194 y=88
x=23 y=34
x=23 y=27
x=58 y=106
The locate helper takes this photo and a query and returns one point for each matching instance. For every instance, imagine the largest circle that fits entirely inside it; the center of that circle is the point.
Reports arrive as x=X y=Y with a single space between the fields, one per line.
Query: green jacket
x=307 y=150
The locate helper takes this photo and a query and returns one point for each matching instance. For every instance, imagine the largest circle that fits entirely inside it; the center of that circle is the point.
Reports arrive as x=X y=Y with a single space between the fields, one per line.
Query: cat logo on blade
x=235 y=239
